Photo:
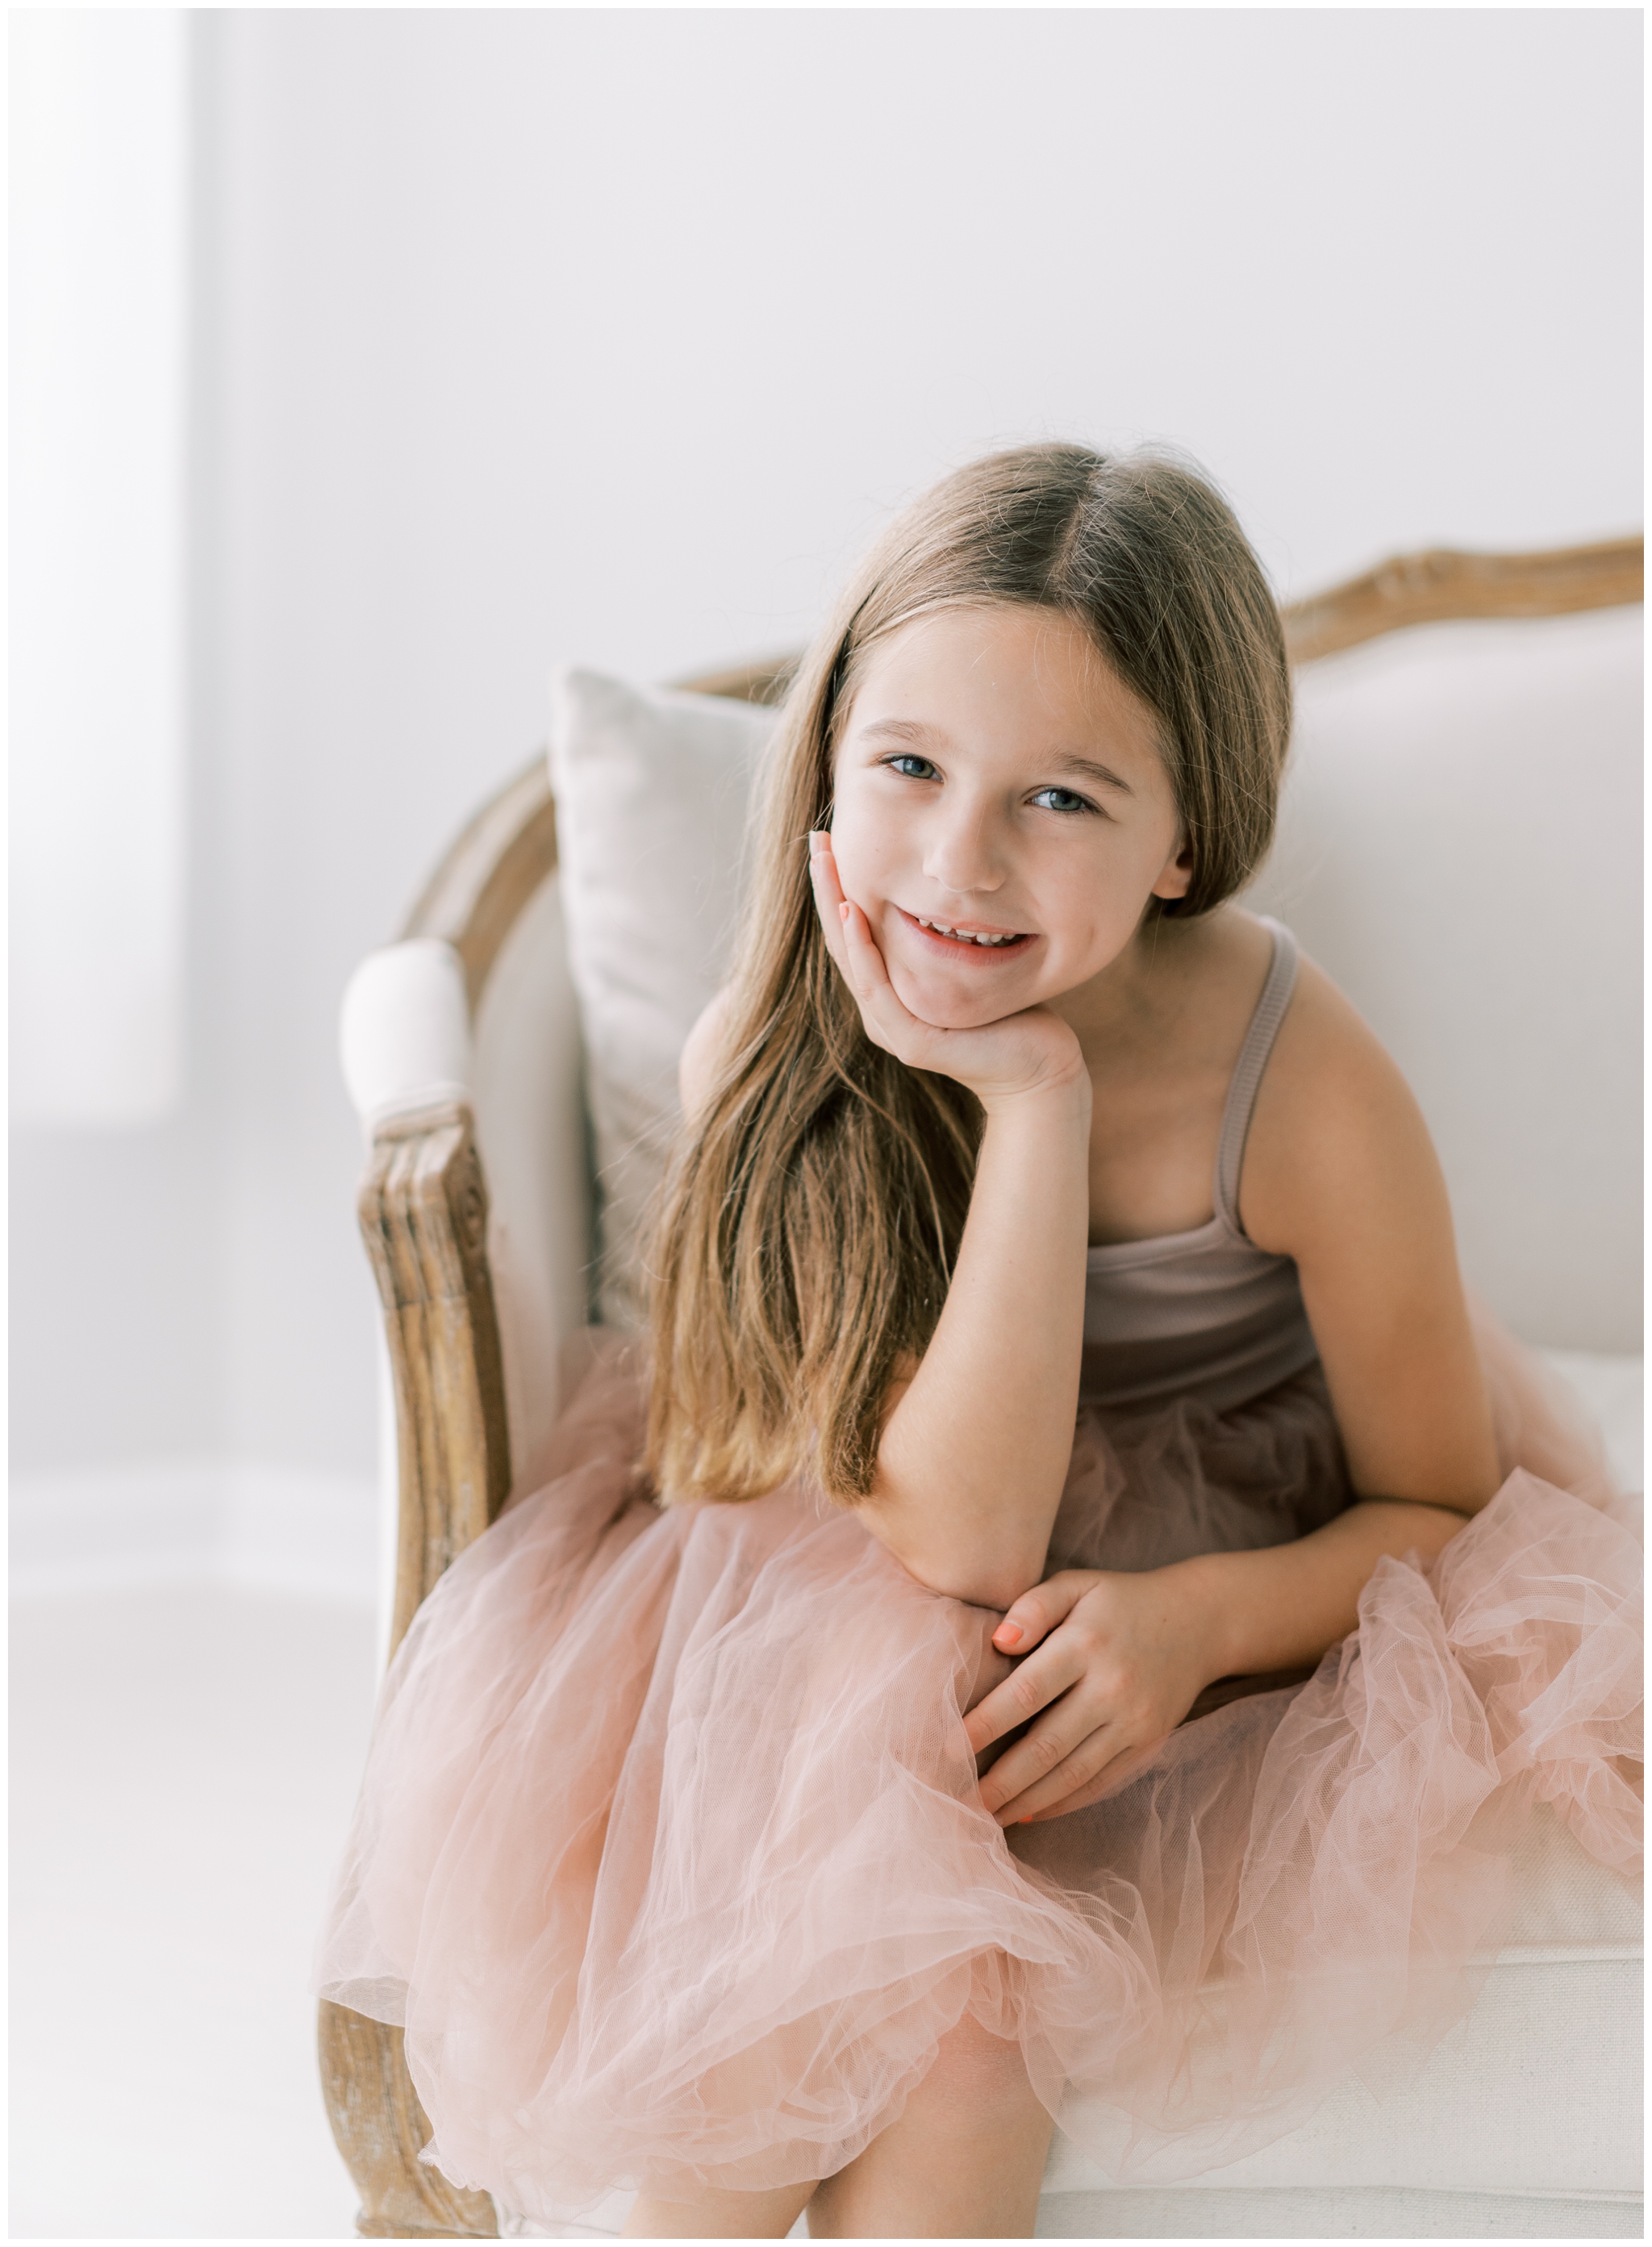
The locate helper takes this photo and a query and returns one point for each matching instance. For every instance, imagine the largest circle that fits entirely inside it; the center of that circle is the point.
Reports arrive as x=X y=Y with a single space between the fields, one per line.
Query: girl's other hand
x=1030 y=1052
x=1114 y=1662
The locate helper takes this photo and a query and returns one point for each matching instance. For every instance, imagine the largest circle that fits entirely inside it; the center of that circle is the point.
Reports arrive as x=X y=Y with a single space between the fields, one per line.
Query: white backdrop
x=530 y=336
x=98 y=207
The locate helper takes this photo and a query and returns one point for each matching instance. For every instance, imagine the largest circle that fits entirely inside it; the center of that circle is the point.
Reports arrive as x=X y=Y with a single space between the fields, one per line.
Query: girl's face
x=997 y=779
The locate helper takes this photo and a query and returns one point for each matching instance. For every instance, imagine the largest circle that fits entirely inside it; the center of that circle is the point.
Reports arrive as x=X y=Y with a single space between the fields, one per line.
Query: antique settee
x=1459 y=849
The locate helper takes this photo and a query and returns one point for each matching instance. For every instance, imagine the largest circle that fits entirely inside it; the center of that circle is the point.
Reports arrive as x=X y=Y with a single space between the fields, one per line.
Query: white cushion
x=1613 y=1390
x=1460 y=849
x=1538 y=2091
x=652 y=790
x=1333 y=2212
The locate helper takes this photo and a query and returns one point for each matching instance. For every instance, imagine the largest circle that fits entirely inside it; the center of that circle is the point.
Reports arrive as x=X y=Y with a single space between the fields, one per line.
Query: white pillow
x=651 y=790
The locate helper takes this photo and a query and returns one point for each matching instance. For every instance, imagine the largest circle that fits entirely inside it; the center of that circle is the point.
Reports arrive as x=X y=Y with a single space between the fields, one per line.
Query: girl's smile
x=1001 y=811
x=973 y=940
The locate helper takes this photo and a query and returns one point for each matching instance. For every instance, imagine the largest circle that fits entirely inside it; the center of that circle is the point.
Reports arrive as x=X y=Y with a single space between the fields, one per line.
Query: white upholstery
x=1537 y=2091
x=1333 y=2212
x=532 y=1133
x=1460 y=849
x=1415 y=862
x=1613 y=1388
x=403 y=1031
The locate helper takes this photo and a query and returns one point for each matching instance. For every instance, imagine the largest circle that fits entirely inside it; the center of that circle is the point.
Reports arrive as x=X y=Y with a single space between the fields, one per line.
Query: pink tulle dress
x=669 y=1856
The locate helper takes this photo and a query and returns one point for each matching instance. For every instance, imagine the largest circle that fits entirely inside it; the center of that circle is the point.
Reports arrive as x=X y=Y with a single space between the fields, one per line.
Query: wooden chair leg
x=379 y=2127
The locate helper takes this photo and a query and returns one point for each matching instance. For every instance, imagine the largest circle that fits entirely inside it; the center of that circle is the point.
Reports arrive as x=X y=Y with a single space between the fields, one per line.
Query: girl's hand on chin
x=1115 y=1662
x=1031 y=1052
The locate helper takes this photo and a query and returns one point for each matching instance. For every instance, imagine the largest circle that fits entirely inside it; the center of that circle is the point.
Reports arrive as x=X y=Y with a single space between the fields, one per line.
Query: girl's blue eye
x=1065 y=799
x=902 y=765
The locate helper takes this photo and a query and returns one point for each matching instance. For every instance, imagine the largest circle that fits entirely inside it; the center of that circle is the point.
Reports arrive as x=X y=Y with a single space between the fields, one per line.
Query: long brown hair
x=806 y=1235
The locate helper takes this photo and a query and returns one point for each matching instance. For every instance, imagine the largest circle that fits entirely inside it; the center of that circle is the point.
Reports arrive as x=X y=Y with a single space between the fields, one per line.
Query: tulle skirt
x=669 y=1856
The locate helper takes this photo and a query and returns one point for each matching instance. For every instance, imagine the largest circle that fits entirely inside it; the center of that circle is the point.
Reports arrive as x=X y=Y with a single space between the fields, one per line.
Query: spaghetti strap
x=1247 y=1070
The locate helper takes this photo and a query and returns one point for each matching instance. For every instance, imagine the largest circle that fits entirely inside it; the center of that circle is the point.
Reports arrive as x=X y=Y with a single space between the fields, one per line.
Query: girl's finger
x=822 y=865
x=829 y=898
x=856 y=951
x=869 y=978
x=849 y=938
x=1054 y=1759
x=1043 y=1800
x=836 y=912
x=1027 y=1690
x=1036 y=1613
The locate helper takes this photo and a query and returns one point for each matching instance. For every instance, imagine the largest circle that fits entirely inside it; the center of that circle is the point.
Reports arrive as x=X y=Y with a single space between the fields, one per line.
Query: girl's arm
x=1343 y=1177
x=1340 y=1175
x=976 y=1443
x=976 y=1447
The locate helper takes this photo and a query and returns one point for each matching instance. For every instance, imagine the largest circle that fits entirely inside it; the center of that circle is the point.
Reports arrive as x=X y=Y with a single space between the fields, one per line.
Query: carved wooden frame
x=423 y=1208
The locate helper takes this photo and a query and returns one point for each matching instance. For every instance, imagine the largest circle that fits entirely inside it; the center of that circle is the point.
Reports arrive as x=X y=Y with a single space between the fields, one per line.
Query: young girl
x=1078 y=1636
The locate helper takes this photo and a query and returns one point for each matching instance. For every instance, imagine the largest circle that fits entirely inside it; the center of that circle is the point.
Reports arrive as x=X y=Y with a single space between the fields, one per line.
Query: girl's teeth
x=963 y=935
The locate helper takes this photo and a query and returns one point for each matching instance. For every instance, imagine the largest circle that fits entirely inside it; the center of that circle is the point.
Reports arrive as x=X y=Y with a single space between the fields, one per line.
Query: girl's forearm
x=1281 y=1607
x=974 y=1455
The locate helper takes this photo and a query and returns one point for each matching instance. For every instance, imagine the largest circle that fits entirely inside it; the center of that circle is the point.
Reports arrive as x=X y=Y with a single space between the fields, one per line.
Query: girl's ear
x=1177 y=877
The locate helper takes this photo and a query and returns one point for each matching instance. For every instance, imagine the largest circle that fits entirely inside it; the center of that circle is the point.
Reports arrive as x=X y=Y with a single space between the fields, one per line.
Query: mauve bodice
x=1206 y=1314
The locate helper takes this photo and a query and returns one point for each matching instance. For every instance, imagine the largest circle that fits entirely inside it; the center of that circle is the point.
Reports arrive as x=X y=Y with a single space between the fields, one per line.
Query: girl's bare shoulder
x=702 y=1054
x=1336 y=1130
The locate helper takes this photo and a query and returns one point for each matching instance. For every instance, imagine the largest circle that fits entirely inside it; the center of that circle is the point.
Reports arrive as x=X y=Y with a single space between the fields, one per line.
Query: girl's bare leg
x=719 y=2215
x=964 y=2161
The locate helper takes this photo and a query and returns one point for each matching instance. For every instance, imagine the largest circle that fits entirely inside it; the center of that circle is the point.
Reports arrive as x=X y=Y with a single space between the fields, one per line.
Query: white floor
x=183 y=1764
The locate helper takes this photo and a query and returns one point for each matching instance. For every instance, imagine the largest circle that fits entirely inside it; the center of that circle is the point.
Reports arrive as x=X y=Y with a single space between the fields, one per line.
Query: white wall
x=524 y=335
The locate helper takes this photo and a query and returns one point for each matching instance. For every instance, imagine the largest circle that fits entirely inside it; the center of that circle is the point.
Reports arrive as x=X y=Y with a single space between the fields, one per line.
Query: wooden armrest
x=423 y=1208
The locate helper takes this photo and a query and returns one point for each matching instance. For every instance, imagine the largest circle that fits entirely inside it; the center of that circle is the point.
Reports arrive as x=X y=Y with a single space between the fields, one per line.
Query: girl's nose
x=964 y=854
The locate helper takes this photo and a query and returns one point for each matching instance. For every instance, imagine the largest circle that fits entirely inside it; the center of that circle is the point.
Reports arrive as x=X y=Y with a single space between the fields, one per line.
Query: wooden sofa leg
x=379 y=2126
